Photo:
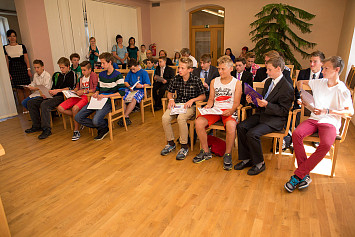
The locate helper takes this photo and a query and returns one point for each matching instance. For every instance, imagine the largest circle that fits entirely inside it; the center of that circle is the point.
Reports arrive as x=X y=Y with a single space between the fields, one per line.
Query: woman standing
x=93 y=53
x=18 y=65
x=133 y=51
x=119 y=52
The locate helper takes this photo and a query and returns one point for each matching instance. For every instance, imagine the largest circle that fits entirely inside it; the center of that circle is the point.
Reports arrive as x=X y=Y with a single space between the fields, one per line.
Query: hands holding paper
x=171 y=104
x=98 y=96
x=228 y=112
x=53 y=92
x=262 y=103
x=188 y=104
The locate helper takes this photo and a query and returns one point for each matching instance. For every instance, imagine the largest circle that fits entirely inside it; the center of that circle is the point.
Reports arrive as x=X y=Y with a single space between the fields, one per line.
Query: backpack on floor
x=217 y=145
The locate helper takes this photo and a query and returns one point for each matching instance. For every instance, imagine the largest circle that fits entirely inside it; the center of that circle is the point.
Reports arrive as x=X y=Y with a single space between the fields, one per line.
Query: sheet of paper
x=248 y=90
x=178 y=109
x=135 y=84
x=70 y=94
x=307 y=99
x=44 y=91
x=130 y=96
x=216 y=111
x=97 y=104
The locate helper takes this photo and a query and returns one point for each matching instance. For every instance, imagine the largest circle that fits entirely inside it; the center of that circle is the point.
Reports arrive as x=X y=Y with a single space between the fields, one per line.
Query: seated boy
x=189 y=89
x=162 y=77
x=242 y=75
x=150 y=65
x=87 y=84
x=332 y=101
x=40 y=107
x=225 y=94
x=75 y=67
x=250 y=63
x=271 y=116
x=136 y=74
x=108 y=86
x=40 y=78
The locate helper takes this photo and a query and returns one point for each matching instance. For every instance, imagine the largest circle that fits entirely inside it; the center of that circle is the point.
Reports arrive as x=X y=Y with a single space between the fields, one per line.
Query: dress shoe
x=241 y=165
x=32 y=130
x=46 y=133
x=255 y=170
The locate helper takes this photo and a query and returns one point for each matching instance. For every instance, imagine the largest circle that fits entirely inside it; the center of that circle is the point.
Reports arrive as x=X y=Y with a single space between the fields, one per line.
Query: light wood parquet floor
x=56 y=187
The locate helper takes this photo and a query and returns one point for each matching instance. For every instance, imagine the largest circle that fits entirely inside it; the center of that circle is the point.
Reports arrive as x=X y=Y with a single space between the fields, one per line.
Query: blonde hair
x=225 y=60
x=277 y=62
x=187 y=61
x=272 y=54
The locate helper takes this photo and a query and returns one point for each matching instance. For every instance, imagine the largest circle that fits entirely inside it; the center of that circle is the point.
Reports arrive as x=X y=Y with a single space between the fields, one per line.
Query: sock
x=245 y=161
x=171 y=143
x=185 y=146
x=259 y=165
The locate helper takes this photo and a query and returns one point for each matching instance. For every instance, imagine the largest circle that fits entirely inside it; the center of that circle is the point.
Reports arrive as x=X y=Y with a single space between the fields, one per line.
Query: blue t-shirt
x=120 y=52
x=141 y=75
x=115 y=66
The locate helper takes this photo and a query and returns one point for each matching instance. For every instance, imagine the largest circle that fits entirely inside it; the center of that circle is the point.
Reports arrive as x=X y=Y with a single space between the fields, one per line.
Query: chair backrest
x=350 y=81
x=124 y=72
x=151 y=76
x=260 y=65
x=259 y=86
x=294 y=79
x=291 y=67
x=175 y=69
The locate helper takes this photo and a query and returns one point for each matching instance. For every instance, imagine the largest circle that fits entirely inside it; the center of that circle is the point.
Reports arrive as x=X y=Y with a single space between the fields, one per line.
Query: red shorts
x=80 y=102
x=212 y=119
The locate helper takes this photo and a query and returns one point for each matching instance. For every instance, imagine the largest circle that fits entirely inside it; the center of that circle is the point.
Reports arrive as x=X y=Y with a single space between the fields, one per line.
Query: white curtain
x=4 y=26
x=7 y=101
x=106 y=20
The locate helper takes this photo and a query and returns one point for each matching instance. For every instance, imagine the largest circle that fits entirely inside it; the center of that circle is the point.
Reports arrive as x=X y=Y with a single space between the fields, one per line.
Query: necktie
x=238 y=76
x=206 y=74
x=269 y=90
x=314 y=76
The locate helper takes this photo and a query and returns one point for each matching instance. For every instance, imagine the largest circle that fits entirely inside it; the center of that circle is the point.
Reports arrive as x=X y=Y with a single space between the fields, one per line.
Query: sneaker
x=202 y=156
x=181 y=155
x=167 y=149
x=46 y=133
x=76 y=136
x=304 y=183
x=32 y=130
x=227 y=161
x=128 y=121
x=120 y=122
x=292 y=184
x=101 y=134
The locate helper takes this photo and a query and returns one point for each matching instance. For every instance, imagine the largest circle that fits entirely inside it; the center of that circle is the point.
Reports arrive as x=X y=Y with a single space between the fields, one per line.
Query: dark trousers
x=98 y=120
x=159 y=92
x=249 y=133
x=40 y=110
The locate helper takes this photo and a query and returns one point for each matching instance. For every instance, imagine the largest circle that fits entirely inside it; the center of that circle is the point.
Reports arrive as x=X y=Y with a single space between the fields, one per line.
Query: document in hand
x=97 y=104
x=178 y=109
x=44 y=91
x=130 y=96
x=204 y=111
x=307 y=100
x=248 y=90
x=69 y=94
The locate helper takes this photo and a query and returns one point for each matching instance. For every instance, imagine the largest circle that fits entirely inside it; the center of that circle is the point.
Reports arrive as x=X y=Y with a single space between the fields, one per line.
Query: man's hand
x=262 y=103
x=100 y=96
x=248 y=98
x=53 y=92
x=29 y=73
x=80 y=92
x=95 y=95
x=188 y=104
x=205 y=85
x=319 y=111
x=171 y=104
x=164 y=81
x=227 y=112
x=32 y=88
x=299 y=101
x=209 y=105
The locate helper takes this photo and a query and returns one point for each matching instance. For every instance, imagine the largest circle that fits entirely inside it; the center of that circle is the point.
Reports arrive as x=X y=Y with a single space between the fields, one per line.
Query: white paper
x=216 y=111
x=135 y=84
x=97 y=104
x=307 y=99
x=44 y=91
x=130 y=96
x=178 y=109
x=69 y=94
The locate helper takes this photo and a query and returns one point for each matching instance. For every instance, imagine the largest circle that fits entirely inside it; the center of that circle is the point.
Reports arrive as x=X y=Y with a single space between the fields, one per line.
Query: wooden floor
x=56 y=187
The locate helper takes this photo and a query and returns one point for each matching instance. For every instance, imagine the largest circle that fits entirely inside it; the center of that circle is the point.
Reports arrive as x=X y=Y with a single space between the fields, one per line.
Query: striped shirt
x=110 y=84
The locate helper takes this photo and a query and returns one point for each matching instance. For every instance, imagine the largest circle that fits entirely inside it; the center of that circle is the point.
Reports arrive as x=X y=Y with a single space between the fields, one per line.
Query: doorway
x=207 y=32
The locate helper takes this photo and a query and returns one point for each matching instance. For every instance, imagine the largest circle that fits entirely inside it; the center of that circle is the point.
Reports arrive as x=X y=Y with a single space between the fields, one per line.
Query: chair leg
x=334 y=157
x=151 y=103
x=274 y=146
x=64 y=122
x=51 y=120
x=71 y=122
x=280 y=153
x=142 y=110
x=110 y=127
x=192 y=135
x=124 y=122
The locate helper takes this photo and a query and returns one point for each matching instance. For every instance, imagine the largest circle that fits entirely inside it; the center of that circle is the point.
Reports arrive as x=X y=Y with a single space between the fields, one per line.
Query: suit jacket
x=168 y=75
x=304 y=75
x=261 y=75
x=279 y=103
x=247 y=77
x=212 y=74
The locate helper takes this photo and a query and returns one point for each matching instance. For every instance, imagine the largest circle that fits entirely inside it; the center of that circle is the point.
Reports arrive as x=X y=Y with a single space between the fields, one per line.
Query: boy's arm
x=95 y=80
x=210 y=101
x=237 y=96
x=300 y=84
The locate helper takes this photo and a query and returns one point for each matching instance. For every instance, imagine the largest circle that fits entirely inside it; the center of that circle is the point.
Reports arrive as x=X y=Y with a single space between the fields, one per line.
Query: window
x=4 y=26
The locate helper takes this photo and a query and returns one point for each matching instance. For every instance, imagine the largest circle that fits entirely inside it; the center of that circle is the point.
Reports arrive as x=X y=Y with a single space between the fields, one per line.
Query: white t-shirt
x=41 y=80
x=224 y=93
x=336 y=97
x=85 y=83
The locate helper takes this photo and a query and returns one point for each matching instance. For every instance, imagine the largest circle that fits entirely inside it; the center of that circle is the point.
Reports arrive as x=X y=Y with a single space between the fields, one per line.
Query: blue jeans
x=24 y=102
x=98 y=121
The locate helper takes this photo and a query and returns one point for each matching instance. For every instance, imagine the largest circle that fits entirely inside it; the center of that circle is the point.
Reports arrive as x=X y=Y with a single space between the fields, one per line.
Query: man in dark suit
x=261 y=74
x=271 y=116
x=244 y=76
x=207 y=71
x=162 y=77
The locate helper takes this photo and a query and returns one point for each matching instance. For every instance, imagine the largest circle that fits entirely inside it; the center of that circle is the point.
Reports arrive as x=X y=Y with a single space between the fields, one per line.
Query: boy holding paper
x=225 y=94
x=332 y=100
x=87 y=84
x=189 y=89
x=135 y=81
x=108 y=86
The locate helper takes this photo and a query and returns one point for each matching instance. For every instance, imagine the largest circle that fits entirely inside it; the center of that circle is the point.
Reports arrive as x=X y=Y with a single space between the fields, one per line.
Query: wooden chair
x=116 y=113
x=151 y=76
x=175 y=68
x=258 y=86
x=124 y=72
x=291 y=67
x=315 y=138
x=350 y=81
x=147 y=101
x=294 y=79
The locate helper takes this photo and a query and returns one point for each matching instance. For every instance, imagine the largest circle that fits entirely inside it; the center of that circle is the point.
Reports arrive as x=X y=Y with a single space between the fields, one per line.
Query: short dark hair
x=185 y=51
x=336 y=61
x=86 y=64
x=319 y=54
x=241 y=59
x=38 y=61
x=107 y=56
x=132 y=62
x=118 y=37
x=9 y=32
x=250 y=55
x=74 y=55
x=92 y=38
x=163 y=58
x=277 y=62
x=64 y=61
x=142 y=45
x=245 y=48
x=130 y=40
x=206 y=58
